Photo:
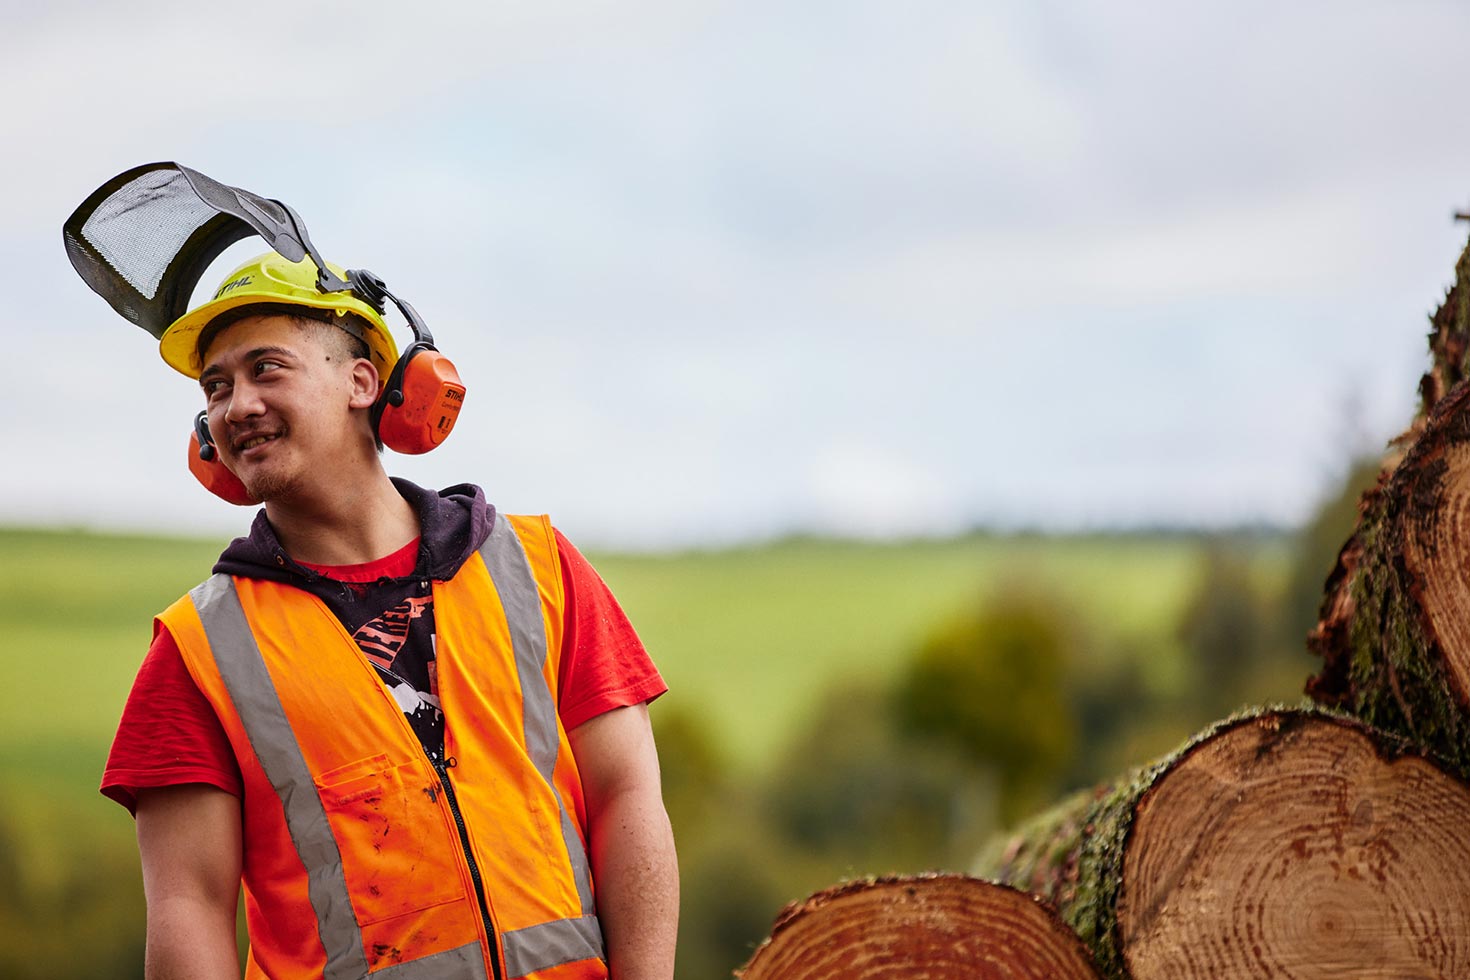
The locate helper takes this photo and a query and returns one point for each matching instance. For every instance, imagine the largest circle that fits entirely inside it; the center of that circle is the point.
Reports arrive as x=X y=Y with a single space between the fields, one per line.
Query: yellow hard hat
x=271 y=278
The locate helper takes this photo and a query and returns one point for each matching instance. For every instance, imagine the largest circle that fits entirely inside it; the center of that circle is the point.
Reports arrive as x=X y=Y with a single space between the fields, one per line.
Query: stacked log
x=938 y=927
x=1302 y=842
x=1284 y=843
x=1310 y=843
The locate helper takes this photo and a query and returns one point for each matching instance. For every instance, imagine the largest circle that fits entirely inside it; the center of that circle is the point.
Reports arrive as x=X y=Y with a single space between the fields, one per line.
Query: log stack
x=1282 y=843
x=1321 y=841
x=1317 y=842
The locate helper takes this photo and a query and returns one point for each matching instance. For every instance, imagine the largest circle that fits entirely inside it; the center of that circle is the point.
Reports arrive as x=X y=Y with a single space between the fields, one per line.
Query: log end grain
x=935 y=927
x=1292 y=845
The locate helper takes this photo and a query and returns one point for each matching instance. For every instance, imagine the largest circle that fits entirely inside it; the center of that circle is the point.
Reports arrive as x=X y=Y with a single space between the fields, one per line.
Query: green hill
x=748 y=636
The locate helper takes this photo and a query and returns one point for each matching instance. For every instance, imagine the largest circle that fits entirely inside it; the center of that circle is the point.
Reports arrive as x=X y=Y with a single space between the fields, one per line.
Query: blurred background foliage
x=837 y=709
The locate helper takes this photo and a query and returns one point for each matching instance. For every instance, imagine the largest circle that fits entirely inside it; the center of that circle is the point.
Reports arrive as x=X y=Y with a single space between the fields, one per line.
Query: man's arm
x=189 y=842
x=634 y=870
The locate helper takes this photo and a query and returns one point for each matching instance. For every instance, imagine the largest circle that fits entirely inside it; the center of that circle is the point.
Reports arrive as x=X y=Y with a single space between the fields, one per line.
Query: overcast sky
x=715 y=271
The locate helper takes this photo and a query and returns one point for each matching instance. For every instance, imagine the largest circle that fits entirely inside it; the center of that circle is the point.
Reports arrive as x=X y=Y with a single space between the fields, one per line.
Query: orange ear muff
x=419 y=405
x=207 y=469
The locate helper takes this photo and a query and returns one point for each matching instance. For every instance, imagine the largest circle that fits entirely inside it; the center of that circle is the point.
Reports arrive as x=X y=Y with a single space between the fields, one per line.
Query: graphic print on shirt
x=400 y=645
x=382 y=639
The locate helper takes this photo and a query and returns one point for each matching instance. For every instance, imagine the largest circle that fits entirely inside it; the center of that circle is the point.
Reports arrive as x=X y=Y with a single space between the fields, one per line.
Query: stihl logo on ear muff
x=205 y=464
x=419 y=405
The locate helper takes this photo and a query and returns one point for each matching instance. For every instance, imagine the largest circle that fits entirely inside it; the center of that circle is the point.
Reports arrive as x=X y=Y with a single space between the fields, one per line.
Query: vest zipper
x=442 y=768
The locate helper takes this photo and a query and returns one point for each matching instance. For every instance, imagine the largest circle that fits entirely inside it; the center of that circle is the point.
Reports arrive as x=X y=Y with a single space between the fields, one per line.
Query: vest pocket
x=387 y=828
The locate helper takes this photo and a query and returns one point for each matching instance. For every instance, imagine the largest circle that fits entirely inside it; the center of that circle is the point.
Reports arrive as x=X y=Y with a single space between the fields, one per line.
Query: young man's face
x=280 y=399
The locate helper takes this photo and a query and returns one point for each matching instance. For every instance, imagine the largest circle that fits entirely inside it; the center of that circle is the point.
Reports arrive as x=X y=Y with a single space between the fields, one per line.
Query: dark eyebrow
x=251 y=357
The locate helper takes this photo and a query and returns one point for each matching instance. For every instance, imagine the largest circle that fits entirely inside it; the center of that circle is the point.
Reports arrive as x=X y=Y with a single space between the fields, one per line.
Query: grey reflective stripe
x=551 y=944
x=465 y=963
x=516 y=585
x=249 y=684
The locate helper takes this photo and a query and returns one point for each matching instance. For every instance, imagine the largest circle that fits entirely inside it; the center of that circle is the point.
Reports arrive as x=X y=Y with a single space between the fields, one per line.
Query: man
x=408 y=722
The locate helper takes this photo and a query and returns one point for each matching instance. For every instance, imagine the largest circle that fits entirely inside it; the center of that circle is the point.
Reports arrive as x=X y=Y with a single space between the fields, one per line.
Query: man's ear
x=365 y=384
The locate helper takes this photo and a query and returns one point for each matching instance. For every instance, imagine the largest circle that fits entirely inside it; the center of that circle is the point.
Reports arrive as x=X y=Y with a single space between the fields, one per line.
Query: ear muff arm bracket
x=373 y=290
x=368 y=287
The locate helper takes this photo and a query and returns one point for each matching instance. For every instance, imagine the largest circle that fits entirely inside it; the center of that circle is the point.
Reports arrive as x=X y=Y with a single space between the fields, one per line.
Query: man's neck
x=358 y=524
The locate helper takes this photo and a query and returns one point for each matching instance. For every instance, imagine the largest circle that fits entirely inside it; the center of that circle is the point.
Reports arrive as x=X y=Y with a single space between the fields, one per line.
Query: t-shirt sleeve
x=169 y=735
x=603 y=665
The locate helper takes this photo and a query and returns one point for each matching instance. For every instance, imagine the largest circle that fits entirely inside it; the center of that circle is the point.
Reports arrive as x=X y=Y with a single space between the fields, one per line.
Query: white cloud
x=872 y=491
x=717 y=269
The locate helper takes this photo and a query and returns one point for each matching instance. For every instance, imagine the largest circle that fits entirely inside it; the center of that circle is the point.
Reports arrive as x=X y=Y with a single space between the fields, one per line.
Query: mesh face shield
x=143 y=239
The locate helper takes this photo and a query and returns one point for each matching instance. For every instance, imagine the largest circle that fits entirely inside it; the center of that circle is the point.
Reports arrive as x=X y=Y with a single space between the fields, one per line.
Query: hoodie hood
x=453 y=524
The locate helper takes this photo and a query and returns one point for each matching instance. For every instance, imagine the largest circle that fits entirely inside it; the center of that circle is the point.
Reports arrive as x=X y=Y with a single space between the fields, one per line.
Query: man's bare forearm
x=187 y=941
x=637 y=882
x=189 y=844
x=634 y=871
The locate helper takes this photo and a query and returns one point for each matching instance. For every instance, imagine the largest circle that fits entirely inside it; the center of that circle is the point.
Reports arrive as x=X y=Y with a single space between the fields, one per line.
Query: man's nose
x=244 y=402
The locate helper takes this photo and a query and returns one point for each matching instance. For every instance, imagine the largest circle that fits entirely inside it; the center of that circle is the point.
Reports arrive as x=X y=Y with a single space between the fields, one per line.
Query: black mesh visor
x=143 y=239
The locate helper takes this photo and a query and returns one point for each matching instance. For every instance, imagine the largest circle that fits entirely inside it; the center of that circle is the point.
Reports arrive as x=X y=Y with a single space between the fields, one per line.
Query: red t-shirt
x=170 y=735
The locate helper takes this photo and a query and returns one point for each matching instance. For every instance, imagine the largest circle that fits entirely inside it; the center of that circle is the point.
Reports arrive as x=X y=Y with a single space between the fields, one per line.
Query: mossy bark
x=1136 y=900
x=1391 y=653
x=1392 y=634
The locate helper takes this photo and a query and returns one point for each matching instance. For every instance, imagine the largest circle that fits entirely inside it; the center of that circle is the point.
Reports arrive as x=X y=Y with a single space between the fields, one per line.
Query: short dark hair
x=352 y=329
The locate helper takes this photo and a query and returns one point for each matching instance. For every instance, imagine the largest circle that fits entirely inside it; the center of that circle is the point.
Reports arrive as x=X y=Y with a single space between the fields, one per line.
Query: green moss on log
x=1382 y=658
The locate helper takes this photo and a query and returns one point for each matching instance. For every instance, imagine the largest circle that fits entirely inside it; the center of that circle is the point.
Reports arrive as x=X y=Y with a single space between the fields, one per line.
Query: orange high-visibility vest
x=360 y=856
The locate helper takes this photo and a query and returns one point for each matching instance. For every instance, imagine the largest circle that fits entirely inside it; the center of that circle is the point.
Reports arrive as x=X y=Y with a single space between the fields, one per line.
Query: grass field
x=750 y=638
x=746 y=638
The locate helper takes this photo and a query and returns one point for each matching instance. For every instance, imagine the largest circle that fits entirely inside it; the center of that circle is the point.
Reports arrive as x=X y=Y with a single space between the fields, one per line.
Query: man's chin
x=266 y=486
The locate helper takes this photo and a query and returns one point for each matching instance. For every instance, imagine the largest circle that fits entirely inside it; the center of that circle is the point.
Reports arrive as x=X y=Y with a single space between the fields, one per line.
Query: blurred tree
x=1224 y=628
x=1111 y=699
x=872 y=797
x=730 y=893
x=993 y=685
x=71 y=902
x=695 y=773
x=728 y=861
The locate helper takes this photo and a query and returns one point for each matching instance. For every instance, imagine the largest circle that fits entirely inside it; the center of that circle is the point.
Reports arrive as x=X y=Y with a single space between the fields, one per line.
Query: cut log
x=936 y=927
x=1394 y=634
x=1288 y=843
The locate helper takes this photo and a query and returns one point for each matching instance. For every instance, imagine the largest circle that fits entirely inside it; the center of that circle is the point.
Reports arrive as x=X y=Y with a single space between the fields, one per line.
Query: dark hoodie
x=392 y=619
x=453 y=522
